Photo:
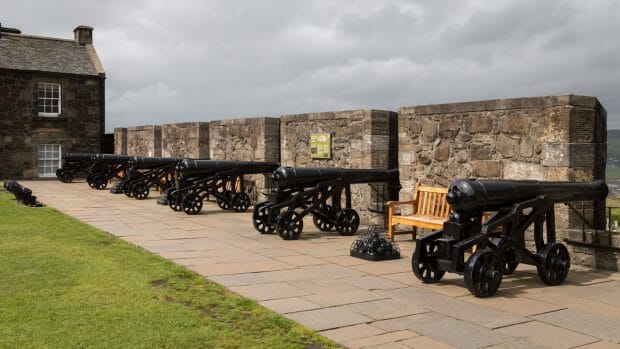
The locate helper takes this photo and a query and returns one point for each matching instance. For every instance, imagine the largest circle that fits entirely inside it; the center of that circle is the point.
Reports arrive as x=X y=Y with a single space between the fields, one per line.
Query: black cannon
x=145 y=172
x=490 y=218
x=74 y=164
x=223 y=180
x=22 y=194
x=317 y=191
x=106 y=167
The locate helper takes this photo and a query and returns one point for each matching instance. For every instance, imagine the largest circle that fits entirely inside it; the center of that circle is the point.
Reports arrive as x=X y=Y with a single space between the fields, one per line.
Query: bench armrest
x=400 y=203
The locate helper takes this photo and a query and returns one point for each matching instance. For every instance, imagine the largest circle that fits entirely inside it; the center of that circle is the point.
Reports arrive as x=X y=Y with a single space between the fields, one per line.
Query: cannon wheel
x=192 y=203
x=223 y=204
x=483 y=273
x=89 y=180
x=321 y=223
x=424 y=261
x=290 y=224
x=65 y=176
x=260 y=214
x=347 y=222
x=127 y=189
x=99 y=183
x=554 y=263
x=140 y=190
x=240 y=202
x=173 y=201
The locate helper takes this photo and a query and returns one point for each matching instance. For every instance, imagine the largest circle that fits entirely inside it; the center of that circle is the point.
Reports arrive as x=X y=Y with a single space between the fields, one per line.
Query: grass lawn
x=65 y=284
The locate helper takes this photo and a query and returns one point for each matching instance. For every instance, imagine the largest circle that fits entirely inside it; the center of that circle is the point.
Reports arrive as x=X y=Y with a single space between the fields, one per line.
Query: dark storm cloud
x=202 y=60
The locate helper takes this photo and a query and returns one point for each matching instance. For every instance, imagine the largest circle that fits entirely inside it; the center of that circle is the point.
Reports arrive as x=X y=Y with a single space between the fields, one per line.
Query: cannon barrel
x=143 y=162
x=492 y=195
x=288 y=177
x=77 y=156
x=189 y=168
x=111 y=158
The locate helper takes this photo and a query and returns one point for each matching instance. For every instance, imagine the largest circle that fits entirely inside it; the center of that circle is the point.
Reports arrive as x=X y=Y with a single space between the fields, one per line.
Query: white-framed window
x=48 y=159
x=48 y=99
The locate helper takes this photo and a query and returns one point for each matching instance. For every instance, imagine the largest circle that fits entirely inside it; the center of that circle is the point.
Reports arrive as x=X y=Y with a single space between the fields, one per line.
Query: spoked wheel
x=425 y=262
x=223 y=204
x=89 y=180
x=99 y=183
x=510 y=259
x=240 y=202
x=140 y=190
x=65 y=176
x=127 y=189
x=192 y=203
x=290 y=224
x=260 y=218
x=322 y=223
x=483 y=273
x=554 y=263
x=347 y=222
x=174 y=201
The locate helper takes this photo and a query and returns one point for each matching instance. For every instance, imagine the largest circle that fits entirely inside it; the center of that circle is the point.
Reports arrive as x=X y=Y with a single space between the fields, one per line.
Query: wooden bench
x=430 y=210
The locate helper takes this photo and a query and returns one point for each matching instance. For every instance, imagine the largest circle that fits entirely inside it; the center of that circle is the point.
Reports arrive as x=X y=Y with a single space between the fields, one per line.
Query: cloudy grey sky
x=204 y=60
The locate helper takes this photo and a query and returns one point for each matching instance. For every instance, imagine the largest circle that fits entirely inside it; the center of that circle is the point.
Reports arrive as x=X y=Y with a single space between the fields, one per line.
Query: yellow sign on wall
x=321 y=146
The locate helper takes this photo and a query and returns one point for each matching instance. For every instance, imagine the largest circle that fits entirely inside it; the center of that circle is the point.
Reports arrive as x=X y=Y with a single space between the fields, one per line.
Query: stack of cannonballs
x=374 y=245
x=22 y=194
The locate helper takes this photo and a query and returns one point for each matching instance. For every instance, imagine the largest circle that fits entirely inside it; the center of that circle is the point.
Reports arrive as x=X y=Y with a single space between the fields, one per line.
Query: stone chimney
x=83 y=35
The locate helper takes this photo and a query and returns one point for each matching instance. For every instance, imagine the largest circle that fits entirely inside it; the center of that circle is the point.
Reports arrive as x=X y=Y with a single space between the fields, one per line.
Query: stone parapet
x=185 y=140
x=144 y=140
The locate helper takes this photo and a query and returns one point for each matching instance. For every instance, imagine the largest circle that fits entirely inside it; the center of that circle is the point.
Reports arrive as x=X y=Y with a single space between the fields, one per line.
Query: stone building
x=51 y=101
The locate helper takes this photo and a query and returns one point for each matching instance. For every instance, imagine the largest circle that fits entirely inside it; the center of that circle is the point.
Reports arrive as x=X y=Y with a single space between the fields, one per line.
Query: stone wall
x=120 y=141
x=144 y=140
x=79 y=127
x=246 y=139
x=360 y=139
x=186 y=140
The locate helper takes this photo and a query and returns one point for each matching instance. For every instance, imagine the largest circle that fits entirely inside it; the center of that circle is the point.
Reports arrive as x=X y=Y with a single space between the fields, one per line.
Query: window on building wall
x=48 y=159
x=49 y=99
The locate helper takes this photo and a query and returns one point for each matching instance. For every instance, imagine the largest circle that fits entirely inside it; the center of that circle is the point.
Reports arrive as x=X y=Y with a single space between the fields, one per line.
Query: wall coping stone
x=502 y=104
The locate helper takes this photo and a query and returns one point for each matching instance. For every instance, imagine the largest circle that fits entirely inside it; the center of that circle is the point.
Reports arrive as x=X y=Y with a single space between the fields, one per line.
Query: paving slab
x=381 y=339
x=347 y=297
x=328 y=318
x=386 y=309
x=289 y=305
x=547 y=335
x=600 y=326
x=351 y=333
x=461 y=334
x=264 y=292
x=423 y=342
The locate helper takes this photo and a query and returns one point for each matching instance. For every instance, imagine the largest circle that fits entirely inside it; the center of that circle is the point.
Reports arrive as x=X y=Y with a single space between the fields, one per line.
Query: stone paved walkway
x=358 y=303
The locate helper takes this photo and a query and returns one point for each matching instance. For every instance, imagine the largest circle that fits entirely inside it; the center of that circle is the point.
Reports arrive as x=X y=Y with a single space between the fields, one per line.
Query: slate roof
x=35 y=53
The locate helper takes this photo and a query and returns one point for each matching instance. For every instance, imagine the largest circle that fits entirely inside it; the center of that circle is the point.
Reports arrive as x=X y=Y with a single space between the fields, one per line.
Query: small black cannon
x=146 y=172
x=107 y=167
x=317 y=191
x=499 y=241
x=222 y=179
x=22 y=194
x=74 y=164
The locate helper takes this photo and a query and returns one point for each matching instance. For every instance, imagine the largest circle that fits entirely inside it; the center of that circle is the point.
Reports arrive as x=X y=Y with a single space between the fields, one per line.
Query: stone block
x=487 y=168
x=515 y=124
x=555 y=154
x=478 y=123
x=442 y=151
x=523 y=170
x=480 y=152
x=448 y=128
x=508 y=147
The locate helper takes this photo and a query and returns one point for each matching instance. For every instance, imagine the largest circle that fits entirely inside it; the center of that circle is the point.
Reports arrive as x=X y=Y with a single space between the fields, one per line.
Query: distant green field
x=612 y=173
